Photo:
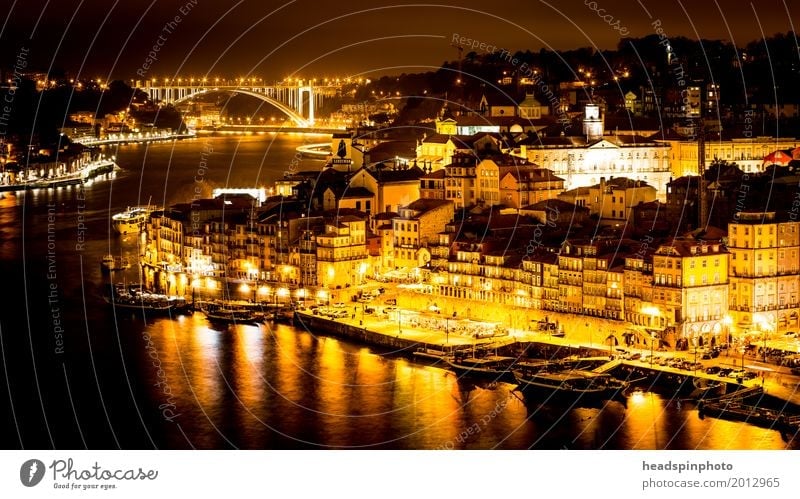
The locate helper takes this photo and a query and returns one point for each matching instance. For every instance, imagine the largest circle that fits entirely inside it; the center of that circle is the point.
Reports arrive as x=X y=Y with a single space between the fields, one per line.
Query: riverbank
x=411 y=326
x=88 y=172
x=132 y=138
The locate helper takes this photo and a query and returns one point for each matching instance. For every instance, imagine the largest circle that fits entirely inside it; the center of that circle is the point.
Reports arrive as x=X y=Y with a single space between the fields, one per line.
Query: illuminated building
x=416 y=227
x=690 y=289
x=590 y=279
x=611 y=200
x=342 y=258
x=582 y=160
x=764 y=255
x=746 y=149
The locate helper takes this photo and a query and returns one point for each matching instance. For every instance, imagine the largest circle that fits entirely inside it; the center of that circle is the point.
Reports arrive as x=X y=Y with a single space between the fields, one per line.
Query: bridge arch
x=294 y=116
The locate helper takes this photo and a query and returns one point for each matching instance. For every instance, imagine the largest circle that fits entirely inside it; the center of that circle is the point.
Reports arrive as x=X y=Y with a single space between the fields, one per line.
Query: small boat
x=133 y=298
x=111 y=263
x=755 y=415
x=233 y=316
x=132 y=220
x=429 y=356
x=540 y=382
x=704 y=388
x=142 y=304
x=491 y=367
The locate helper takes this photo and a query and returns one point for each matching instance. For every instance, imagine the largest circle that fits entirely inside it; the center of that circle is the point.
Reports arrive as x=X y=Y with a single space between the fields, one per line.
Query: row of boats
x=546 y=381
x=573 y=380
x=134 y=297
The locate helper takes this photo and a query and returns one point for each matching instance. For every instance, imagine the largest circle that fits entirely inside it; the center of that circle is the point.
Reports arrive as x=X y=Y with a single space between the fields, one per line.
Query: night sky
x=111 y=39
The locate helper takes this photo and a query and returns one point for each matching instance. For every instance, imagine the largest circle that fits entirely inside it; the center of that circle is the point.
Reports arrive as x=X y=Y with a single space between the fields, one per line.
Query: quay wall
x=358 y=334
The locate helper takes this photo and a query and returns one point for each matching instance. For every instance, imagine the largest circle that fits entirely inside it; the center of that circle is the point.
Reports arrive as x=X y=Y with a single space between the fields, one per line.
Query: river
x=79 y=376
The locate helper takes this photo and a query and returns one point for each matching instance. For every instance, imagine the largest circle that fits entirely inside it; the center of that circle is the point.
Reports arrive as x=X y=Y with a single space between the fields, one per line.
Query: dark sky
x=111 y=38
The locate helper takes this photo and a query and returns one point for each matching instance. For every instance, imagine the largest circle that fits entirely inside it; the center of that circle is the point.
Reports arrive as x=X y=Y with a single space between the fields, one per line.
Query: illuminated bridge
x=296 y=101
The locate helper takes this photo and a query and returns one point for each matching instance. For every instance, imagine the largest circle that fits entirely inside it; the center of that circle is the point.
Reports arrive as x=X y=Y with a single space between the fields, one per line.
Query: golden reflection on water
x=255 y=385
x=247 y=379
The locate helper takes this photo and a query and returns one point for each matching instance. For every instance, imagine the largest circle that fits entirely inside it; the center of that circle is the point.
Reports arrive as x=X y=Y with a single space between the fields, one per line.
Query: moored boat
x=758 y=416
x=544 y=384
x=135 y=298
x=491 y=367
x=131 y=220
x=111 y=263
x=233 y=316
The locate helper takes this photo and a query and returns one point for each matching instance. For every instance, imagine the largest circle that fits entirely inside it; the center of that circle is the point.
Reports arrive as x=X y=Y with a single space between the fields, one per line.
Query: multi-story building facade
x=611 y=200
x=764 y=272
x=590 y=279
x=583 y=160
x=745 y=150
x=690 y=289
x=342 y=258
x=206 y=239
x=416 y=227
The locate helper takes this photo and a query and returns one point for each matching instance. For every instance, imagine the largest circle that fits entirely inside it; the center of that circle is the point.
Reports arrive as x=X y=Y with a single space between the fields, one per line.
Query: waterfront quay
x=416 y=323
x=133 y=137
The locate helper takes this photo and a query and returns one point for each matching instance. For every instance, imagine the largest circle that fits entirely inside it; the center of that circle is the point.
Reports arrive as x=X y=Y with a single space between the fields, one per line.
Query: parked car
x=675 y=362
x=737 y=373
x=750 y=375
x=713 y=370
x=725 y=371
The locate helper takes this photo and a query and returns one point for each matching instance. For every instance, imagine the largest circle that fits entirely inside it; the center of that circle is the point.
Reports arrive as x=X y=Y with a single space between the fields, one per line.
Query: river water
x=80 y=376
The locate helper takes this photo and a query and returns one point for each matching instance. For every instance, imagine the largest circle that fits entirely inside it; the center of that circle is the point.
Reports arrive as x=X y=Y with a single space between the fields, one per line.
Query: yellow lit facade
x=690 y=289
x=342 y=258
x=764 y=259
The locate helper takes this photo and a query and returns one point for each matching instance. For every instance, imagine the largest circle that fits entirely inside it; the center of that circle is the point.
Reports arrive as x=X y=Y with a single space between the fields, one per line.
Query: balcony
x=321 y=258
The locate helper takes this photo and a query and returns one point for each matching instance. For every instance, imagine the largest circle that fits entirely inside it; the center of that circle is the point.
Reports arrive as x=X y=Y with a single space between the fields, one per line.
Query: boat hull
x=481 y=373
x=570 y=387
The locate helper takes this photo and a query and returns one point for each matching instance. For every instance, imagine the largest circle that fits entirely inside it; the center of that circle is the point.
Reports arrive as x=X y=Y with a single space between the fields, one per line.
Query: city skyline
x=361 y=225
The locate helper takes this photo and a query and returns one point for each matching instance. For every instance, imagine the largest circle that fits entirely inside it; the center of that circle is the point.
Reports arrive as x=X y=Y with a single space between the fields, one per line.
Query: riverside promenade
x=416 y=320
